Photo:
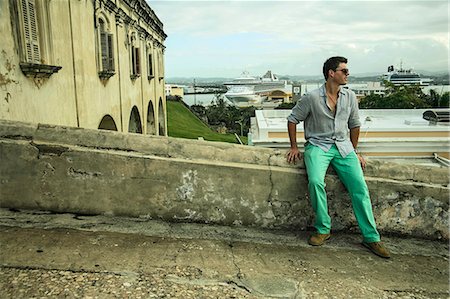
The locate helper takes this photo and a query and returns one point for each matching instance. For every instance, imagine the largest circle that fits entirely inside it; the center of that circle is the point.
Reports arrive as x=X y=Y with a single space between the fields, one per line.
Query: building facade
x=95 y=64
x=400 y=133
x=174 y=90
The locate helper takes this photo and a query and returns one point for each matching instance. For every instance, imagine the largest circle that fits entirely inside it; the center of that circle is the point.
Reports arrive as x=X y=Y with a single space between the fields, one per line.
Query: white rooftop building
x=386 y=133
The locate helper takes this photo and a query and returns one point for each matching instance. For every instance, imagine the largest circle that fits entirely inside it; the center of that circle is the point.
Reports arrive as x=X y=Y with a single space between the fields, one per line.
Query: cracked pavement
x=77 y=256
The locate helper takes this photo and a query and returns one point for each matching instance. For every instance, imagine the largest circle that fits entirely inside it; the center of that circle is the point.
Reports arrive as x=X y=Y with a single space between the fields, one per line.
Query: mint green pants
x=350 y=173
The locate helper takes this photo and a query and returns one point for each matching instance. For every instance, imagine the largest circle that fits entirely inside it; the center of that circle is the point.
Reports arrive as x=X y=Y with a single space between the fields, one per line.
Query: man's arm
x=354 y=137
x=298 y=114
x=293 y=154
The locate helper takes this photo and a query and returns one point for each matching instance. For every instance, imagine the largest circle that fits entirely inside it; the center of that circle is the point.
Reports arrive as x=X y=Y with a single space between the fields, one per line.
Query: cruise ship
x=246 y=90
x=404 y=77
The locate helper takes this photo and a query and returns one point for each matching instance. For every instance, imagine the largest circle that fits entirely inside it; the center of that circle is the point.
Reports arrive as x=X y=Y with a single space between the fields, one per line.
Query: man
x=328 y=114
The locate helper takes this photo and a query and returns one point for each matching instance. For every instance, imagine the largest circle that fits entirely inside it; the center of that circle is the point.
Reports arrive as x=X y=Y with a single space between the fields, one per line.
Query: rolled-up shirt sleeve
x=353 y=120
x=300 y=110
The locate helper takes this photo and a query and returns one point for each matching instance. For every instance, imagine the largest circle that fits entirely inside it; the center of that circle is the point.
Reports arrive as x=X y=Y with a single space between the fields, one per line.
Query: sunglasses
x=345 y=71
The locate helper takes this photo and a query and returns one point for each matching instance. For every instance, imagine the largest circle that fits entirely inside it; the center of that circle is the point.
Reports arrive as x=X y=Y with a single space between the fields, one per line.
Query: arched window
x=151 y=128
x=134 y=125
x=107 y=123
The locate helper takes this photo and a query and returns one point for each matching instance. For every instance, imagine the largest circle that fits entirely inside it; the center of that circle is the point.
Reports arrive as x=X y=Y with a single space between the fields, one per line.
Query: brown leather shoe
x=378 y=248
x=318 y=239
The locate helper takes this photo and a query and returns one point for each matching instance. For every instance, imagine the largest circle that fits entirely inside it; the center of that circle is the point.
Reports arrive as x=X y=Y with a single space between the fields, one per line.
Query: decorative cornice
x=142 y=11
x=157 y=44
x=135 y=76
x=111 y=6
x=119 y=21
x=145 y=13
x=105 y=75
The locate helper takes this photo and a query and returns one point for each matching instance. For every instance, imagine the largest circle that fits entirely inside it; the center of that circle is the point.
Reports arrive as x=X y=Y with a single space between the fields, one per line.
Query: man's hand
x=293 y=155
x=362 y=161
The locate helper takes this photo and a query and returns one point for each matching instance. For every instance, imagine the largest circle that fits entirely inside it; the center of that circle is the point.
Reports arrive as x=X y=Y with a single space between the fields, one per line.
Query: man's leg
x=317 y=162
x=350 y=172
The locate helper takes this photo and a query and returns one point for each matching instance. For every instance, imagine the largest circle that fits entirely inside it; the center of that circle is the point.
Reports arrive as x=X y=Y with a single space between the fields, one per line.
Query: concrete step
x=55 y=255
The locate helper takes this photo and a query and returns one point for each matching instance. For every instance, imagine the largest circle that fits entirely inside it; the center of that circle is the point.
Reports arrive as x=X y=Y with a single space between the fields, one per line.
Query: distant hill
x=439 y=78
x=190 y=80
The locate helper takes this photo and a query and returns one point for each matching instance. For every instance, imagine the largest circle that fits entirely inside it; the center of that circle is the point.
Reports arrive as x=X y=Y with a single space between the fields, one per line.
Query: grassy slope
x=183 y=123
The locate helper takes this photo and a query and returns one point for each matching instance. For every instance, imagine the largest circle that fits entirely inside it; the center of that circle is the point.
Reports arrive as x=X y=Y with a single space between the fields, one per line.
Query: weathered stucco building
x=95 y=64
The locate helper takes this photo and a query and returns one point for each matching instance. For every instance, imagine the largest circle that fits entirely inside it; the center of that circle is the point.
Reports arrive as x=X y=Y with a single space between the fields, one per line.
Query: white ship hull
x=250 y=91
x=405 y=77
x=245 y=100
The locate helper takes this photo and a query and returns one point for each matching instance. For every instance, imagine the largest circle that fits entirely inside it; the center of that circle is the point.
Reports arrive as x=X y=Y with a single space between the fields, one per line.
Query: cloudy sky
x=225 y=38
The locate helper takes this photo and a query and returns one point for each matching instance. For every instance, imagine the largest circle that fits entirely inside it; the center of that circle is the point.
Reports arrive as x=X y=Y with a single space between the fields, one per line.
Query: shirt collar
x=322 y=90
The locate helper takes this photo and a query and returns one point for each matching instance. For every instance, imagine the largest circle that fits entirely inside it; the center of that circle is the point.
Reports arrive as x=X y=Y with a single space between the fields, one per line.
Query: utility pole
x=195 y=94
x=240 y=122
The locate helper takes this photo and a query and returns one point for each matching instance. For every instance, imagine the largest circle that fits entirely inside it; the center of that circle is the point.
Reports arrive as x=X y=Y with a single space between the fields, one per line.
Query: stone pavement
x=44 y=255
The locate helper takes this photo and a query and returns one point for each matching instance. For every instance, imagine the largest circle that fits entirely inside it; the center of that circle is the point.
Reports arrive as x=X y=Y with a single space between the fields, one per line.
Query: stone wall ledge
x=75 y=170
x=201 y=150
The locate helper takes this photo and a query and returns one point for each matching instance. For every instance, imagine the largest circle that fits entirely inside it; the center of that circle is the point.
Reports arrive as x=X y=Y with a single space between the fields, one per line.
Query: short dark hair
x=332 y=63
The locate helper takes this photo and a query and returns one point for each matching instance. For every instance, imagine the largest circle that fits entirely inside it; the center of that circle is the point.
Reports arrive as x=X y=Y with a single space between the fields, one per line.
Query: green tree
x=246 y=114
x=397 y=97
x=437 y=100
x=200 y=112
x=372 y=101
x=444 y=102
x=216 y=112
x=285 y=106
x=219 y=114
x=174 y=98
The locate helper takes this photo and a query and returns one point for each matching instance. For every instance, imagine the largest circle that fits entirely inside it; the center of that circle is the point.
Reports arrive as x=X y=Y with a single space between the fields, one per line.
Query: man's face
x=340 y=74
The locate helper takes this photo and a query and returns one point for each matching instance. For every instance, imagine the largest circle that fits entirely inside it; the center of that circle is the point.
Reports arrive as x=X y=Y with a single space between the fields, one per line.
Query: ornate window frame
x=105 y=46
x=135 y=55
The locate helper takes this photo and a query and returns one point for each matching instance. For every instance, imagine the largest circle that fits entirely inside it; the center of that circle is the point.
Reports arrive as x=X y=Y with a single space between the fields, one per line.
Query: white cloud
x=220 y=38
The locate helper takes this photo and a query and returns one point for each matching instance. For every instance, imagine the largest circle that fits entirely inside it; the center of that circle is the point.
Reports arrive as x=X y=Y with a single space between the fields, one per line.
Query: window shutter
x=160 y=69
x=133 y=61
x=162 y=64
x=110 y=53
x=31 y=31
x=138 y=62
x=150 y=65
x=104 y=46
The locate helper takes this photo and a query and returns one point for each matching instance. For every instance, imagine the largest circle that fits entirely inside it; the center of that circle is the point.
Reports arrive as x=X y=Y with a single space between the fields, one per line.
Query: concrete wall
x=100 y=172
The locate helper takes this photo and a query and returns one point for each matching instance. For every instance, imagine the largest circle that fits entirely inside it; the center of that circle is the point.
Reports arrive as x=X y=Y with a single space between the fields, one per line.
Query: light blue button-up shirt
x=322 y=127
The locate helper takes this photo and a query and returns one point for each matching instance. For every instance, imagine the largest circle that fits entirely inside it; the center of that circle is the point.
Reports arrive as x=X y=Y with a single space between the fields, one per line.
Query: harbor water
x=207 y=99
x=202 y=99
